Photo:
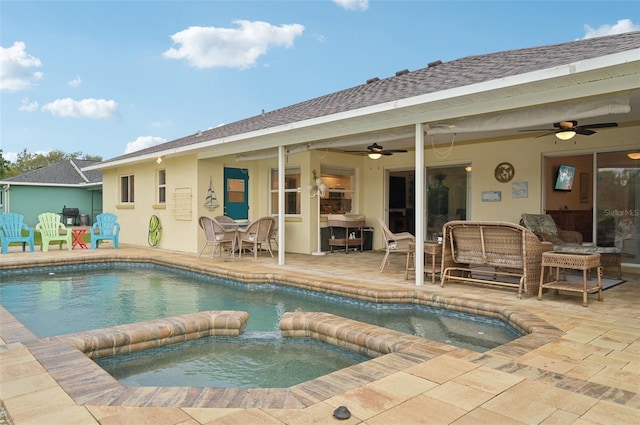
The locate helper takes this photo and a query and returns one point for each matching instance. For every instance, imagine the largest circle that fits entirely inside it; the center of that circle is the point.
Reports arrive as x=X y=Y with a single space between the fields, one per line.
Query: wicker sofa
x=493 y=253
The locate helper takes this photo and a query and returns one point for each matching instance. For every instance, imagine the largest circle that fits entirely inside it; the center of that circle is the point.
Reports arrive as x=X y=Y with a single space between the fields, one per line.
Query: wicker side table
x=432 y=252
x=575 y=261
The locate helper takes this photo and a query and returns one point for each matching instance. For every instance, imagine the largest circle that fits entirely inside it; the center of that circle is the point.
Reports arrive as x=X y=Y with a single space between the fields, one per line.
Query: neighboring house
x=51 y=189
x=480 y=140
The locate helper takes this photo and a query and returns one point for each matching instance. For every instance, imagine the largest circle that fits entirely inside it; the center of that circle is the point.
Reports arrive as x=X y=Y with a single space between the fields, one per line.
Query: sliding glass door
x=617 y=203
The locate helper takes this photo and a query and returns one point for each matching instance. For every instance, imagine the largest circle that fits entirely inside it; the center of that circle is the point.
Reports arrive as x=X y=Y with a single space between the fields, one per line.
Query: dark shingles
x=457 y=73
x=63 y=173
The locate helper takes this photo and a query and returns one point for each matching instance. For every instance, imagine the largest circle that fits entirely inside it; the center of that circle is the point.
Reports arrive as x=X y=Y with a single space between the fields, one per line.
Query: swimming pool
x=67 y=299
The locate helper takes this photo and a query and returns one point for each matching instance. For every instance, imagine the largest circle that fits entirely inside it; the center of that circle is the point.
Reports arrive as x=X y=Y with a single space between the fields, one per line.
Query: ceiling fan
x=375 y=151
x=565 y=130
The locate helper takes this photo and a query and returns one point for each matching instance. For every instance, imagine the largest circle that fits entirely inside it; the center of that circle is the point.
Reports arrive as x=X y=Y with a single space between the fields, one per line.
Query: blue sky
x=109 y=77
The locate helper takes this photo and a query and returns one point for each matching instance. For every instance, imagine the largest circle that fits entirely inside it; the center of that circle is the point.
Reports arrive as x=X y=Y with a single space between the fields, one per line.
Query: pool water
x=254 y=360
x=68 y=299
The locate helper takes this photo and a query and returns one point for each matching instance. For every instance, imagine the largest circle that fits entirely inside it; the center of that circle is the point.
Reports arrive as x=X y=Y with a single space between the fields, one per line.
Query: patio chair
x=107 y=228
x=547 y=231
x=398 y=242
x=218 y=235
x=273 y=233
x=226 y=221
x=52 y=230
x=256 y=234
x=11 y=227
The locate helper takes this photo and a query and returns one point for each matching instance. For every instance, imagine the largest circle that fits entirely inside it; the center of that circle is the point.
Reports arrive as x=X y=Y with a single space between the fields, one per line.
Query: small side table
x=432 y=252
x=575 y=261
x=78 y=233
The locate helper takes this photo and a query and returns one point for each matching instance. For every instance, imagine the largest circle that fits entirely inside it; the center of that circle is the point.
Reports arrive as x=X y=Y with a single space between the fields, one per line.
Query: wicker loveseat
x=494 y=253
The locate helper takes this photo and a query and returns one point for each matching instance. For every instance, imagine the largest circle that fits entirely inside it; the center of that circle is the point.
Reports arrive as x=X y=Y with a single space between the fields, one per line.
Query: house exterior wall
x=526 y=155
x=178 y=217
x=31 y=201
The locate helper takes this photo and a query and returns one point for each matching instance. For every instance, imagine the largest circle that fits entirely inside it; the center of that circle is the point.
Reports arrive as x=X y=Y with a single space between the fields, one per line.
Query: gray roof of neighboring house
x=438 y=77
x=61 y=173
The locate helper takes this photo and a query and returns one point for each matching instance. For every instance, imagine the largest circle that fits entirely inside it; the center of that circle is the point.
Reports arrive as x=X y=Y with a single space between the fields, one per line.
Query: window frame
x=161 y=186
x=289 y=198
x=130 y=185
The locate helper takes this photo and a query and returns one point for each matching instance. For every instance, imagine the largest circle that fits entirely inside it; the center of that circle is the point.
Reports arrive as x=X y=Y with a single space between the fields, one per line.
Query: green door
x=236 y=193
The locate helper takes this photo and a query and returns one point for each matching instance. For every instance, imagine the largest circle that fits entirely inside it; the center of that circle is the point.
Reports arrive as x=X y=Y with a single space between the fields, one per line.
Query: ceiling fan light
x=634 y=155
x=374 y=155
x=565 y=134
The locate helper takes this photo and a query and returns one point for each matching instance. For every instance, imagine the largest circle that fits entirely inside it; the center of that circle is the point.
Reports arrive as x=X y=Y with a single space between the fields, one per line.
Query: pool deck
x=579 y=365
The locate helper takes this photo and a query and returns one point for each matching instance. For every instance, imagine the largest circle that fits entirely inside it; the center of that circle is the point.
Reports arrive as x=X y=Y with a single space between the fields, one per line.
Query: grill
x=70 y=216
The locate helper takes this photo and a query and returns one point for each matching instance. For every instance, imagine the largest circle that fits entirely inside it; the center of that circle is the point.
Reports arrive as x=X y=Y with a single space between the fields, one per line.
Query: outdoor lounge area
x=574 y=365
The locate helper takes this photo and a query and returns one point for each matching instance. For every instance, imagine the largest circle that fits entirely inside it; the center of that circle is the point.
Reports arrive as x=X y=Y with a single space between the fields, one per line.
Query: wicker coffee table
x=575 y=261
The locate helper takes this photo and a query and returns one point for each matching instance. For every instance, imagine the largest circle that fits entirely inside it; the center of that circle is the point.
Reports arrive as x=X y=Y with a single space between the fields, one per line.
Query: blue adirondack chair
x=106 y=227
x=11 y=227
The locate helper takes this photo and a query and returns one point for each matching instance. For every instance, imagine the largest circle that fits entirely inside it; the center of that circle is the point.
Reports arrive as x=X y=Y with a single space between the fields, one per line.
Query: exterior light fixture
x=317 y=189
x=159 y=160
x=467 y=168
x=565 y=134
x=634 y=155
x=374 y=155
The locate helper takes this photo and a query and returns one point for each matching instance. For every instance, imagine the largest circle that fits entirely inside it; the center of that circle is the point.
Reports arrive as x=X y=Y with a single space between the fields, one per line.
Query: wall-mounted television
x=564 y=178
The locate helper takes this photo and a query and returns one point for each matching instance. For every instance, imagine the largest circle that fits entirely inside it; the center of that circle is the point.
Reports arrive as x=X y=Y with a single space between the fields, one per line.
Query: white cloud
x=211 y=47
x=622 y=26
x=353 y=4
x=85 y=108
x=75 y=82
x=27 y=105
x=16 y=65
x=143 y=142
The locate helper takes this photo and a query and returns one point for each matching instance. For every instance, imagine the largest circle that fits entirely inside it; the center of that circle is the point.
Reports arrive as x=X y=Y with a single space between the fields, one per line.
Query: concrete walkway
x=579 y=366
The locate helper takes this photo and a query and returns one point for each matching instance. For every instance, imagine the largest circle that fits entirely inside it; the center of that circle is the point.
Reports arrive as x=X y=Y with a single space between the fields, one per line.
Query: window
x=338 y=199
x=127 y=189
x=291 y=189
x=162 y=187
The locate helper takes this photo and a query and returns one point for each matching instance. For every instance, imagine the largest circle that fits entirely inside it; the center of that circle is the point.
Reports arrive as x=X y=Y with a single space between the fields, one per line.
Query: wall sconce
x=317 y=189
x=159 y=160
x=565 y=134
x=634 y=155
x=467 y=168
x=374 y=155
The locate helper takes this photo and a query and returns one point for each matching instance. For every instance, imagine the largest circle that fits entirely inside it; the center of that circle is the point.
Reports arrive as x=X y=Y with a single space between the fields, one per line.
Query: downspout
x=6 y=204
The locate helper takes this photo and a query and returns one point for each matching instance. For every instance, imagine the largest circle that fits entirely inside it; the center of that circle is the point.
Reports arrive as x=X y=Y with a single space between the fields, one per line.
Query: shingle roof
x=444 y=76
x=62 y=173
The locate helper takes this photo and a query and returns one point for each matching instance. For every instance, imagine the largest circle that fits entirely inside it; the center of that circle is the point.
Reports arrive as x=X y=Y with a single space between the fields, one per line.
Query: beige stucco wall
x=526 y=155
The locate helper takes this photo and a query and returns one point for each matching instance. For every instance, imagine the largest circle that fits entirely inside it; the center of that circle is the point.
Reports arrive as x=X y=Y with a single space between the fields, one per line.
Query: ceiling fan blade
x=396 y=150
x=540 y=129
x=584 y=131
x=546 y=134
x=601 y=125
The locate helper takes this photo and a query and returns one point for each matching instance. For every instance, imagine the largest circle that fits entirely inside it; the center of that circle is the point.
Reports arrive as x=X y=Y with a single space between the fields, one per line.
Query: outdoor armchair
x=52 y=230
x=398 y=242
x=256 y=234
x=11 y=227
x=546 y=230
x=106 y=227
x=218 y=235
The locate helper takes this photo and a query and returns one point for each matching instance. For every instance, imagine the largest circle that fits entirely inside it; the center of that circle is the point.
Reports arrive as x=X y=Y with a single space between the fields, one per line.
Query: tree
x=27 y=161
x=5 y=166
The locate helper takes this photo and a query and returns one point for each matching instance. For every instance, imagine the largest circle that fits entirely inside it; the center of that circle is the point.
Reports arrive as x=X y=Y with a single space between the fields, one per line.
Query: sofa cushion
x=540 y=223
